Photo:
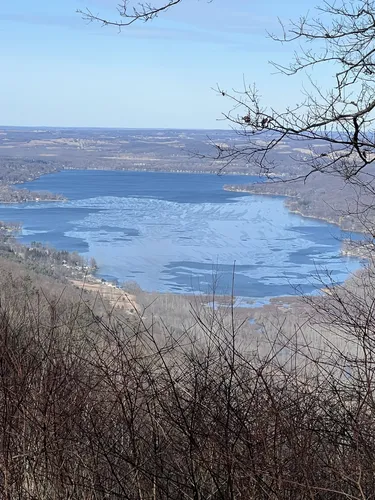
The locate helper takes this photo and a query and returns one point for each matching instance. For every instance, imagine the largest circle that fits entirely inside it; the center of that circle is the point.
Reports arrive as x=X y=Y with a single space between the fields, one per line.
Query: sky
x=59 y=70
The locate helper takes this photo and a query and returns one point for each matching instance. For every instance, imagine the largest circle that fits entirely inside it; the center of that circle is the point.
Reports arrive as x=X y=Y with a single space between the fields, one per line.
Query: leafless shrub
x=95 y=406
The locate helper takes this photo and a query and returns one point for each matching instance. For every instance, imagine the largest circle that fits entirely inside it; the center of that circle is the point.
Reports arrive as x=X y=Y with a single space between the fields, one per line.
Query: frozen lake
x=179 y=232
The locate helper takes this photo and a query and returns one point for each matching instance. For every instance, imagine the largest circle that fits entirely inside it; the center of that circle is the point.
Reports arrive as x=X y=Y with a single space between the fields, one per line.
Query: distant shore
x=32 y=201
x=168 y=171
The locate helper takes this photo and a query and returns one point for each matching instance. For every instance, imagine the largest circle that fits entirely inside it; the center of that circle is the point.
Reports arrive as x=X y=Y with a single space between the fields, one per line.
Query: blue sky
x=57 y=70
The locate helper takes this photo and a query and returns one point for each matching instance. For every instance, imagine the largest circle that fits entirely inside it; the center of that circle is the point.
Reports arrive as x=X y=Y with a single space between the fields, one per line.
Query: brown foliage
x=95 y=407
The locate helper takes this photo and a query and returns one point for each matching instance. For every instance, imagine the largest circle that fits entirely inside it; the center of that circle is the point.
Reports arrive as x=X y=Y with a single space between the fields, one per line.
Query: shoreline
x=116 y=296
x=31 y=201
x=322 y=219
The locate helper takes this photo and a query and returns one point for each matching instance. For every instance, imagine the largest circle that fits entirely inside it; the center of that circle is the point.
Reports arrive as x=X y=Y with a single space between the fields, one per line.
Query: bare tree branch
x=130 y=14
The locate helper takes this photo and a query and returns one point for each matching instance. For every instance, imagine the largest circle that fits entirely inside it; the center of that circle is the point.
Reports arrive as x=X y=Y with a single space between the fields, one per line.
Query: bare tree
x=341 y=39
x=341 y=117
x=130 y=12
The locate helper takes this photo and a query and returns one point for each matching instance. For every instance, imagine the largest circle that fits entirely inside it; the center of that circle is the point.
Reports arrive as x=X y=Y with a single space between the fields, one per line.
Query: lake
x=183 y=233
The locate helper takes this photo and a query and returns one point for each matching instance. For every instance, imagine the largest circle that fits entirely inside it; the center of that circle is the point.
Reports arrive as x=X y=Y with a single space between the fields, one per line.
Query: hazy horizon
x=83 y=127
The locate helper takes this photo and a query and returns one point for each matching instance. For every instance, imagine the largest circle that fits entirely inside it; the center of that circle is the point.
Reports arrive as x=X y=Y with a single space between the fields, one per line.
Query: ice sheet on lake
x=185 y=245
